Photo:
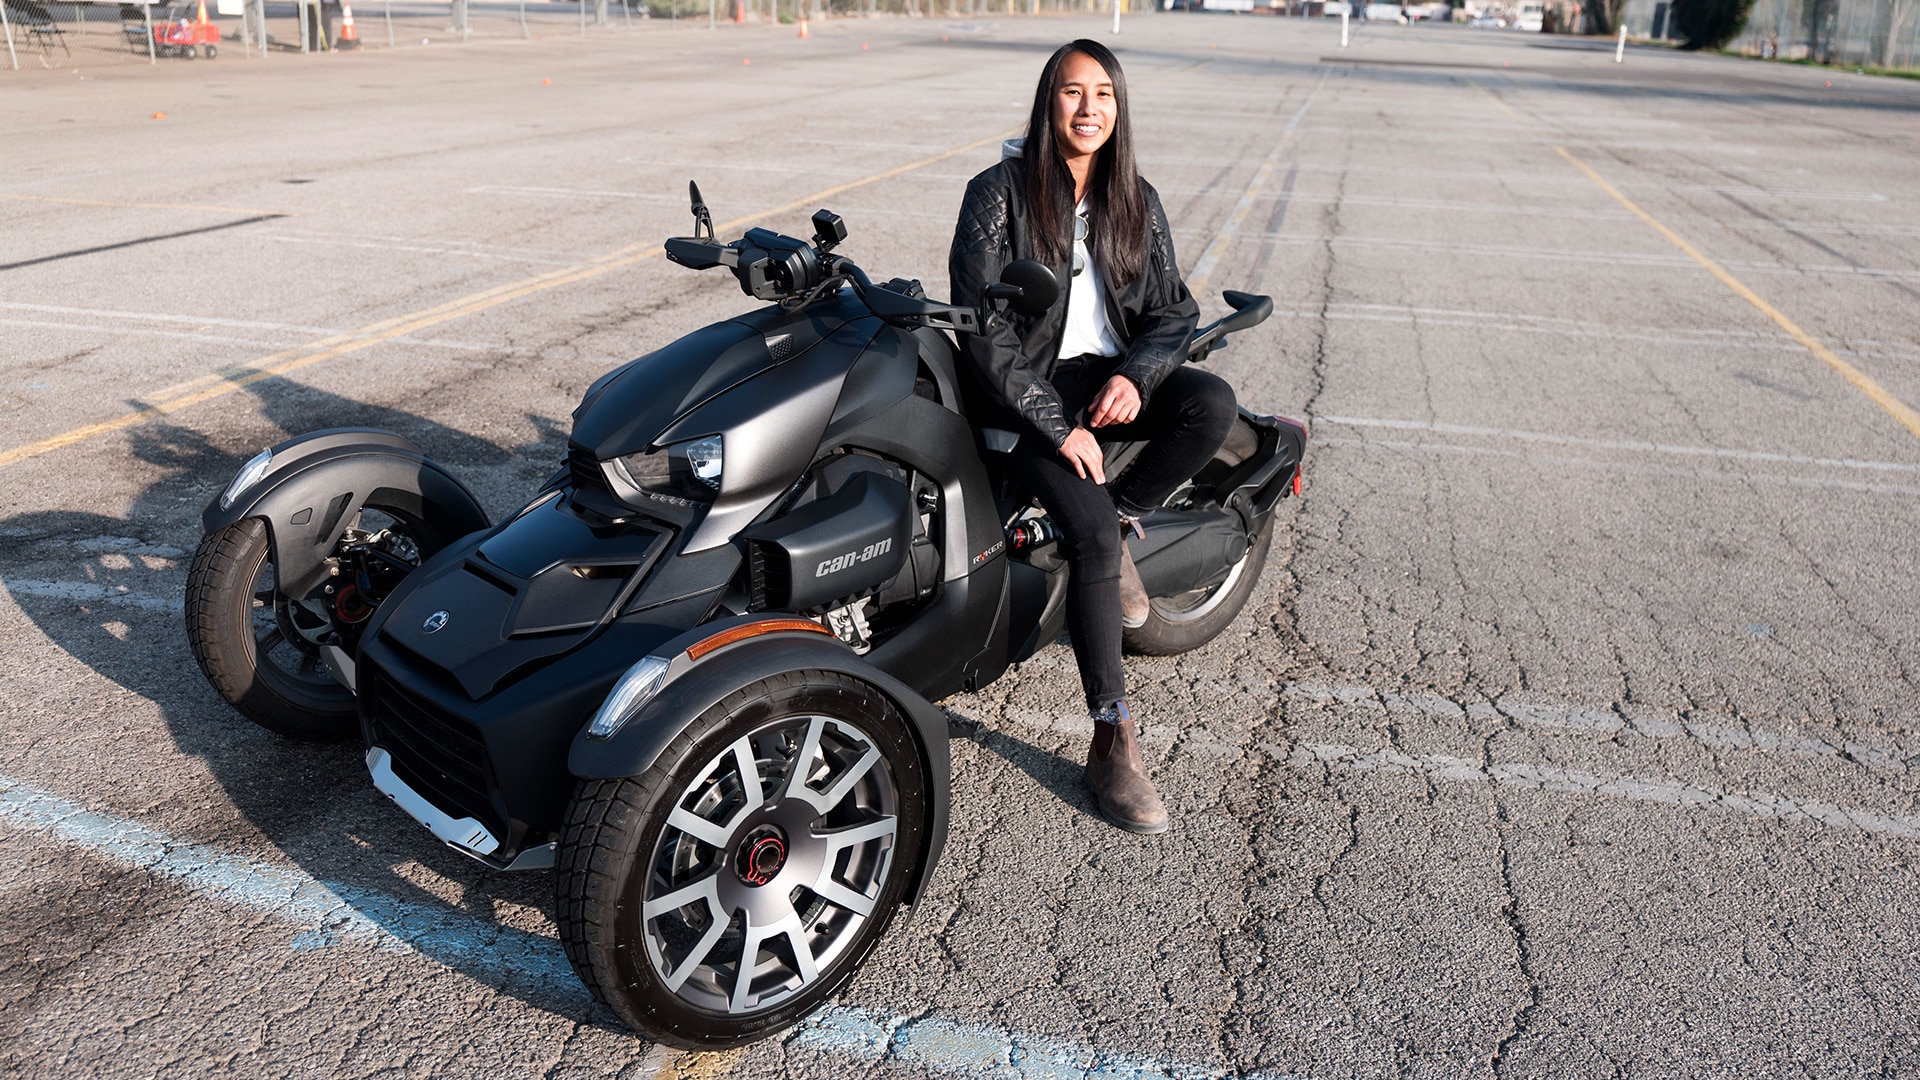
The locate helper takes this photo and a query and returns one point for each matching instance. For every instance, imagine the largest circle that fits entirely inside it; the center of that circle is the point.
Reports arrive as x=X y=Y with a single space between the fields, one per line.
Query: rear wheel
x=744 y=878
x=1176 y=624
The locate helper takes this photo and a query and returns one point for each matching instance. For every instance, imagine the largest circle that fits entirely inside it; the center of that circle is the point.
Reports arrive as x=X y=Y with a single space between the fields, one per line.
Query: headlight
x=629 y=696
x=250 y=474
x=687 y=472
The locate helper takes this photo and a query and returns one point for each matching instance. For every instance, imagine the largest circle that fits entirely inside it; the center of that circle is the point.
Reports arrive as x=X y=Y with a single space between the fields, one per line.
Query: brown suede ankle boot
x=1118 y=780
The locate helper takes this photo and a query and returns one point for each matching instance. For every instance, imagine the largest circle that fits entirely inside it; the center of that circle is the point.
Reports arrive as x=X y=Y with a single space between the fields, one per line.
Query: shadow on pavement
x=313 y=802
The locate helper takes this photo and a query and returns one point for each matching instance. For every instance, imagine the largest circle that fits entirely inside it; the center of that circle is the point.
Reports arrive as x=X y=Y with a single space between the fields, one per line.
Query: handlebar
x=1249 y=310
x=793 y=272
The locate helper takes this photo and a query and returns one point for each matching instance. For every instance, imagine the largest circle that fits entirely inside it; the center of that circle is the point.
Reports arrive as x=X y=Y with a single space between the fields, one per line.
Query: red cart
x=187 y=33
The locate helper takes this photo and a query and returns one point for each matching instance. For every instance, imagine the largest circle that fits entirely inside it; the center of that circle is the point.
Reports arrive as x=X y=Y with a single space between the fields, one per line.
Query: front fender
x=638 y=745
x=317 y=483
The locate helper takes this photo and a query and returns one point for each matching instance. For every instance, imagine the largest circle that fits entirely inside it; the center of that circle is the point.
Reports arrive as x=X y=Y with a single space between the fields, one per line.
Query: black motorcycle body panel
x=317 y=484
x=481 y=667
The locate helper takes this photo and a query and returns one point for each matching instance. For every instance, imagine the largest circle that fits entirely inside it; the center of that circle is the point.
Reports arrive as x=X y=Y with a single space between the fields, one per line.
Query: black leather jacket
x=1154 y=316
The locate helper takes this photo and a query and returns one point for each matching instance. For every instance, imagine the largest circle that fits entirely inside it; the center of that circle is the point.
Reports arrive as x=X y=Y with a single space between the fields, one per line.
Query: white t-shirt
x=1088 y=331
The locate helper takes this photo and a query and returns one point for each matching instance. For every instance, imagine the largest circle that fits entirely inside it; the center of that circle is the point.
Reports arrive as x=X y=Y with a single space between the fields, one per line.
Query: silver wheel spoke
x=756 y=938
x=700 y=891
x=699 y=828
x=856 y=834
x=839 y=895
x=823 y=801
x=750 y=785
x=831 y=797
x=704 y=889
x=796 y=786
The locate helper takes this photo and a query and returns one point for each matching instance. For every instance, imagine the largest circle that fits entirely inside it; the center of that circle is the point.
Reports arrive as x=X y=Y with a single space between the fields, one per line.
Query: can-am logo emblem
x=434 y=621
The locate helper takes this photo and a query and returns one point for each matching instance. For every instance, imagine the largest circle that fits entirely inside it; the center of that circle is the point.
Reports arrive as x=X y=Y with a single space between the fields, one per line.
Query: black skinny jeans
x=1184 y=422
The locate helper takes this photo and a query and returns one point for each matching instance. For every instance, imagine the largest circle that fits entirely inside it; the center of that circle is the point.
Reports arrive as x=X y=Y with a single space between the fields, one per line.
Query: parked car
x=1532 y=16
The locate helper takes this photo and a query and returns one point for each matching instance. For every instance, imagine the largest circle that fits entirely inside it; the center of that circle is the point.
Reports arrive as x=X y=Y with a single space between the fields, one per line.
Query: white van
x=1532 y=16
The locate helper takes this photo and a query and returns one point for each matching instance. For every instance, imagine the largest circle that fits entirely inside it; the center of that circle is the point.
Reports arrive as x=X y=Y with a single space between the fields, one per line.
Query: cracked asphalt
x=1572 y=730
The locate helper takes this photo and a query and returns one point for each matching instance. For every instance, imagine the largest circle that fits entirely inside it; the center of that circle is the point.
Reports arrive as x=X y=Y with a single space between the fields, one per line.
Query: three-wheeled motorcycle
x=693 y=674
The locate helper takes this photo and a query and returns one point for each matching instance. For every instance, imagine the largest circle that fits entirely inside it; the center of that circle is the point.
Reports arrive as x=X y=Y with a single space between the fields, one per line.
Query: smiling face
x=1084 y=109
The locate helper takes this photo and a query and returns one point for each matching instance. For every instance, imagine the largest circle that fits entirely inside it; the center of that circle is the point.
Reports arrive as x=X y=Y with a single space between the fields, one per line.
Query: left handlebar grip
x=695 y=253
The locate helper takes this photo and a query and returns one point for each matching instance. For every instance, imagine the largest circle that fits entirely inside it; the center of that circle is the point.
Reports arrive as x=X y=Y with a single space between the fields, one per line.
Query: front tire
x=247 y=638
x=1176 y=624
x=776 y=835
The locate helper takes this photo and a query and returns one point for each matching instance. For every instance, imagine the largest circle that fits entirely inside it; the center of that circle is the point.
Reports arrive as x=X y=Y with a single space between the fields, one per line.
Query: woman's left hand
x=1118 y=403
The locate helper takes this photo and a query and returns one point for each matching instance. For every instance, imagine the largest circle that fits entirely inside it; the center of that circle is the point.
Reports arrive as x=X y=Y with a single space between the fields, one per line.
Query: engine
x=853 y=545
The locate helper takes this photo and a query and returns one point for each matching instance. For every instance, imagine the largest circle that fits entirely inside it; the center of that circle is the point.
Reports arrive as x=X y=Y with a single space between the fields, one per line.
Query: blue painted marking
x=331 y=913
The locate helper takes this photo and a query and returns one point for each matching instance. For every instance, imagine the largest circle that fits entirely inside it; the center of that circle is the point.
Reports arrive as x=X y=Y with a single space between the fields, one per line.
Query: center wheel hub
x=761 y=855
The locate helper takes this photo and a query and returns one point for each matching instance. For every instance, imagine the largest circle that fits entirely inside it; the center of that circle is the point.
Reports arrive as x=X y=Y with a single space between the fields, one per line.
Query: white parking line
x=1457 y=450
x=323 y=914
x=1516 y=322
x=423 y=249
x=1659 y=260
x=87 y=592
x=1617 y=444
x=1573 y=781
x=1716 y=732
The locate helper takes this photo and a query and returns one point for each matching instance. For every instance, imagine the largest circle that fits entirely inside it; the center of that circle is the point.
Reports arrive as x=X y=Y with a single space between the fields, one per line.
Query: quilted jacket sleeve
x=1169 y=315
x=982 y=248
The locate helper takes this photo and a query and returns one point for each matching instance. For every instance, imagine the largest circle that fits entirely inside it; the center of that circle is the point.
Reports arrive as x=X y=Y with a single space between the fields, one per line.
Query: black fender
x=703 y=682
x=316 y=483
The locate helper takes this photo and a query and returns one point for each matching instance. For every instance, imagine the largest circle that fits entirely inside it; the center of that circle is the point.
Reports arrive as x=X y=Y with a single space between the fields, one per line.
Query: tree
x=1709 y=24
x=1603 y=16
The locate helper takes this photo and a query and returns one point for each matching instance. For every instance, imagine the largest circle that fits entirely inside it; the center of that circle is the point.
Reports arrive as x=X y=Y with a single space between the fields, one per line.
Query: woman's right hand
x=1083 y=451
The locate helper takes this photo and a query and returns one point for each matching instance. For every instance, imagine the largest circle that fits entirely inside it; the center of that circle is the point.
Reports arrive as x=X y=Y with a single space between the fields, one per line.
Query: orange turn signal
x=753 y=629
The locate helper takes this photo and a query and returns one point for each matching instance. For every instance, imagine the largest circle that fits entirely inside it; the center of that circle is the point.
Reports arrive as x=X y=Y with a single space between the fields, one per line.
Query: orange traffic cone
x=349 y=37
x=202 y=20
x=803 y=29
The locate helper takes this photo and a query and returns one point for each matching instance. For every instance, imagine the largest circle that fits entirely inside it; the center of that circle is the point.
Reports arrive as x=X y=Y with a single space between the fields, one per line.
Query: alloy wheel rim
x=769 y=864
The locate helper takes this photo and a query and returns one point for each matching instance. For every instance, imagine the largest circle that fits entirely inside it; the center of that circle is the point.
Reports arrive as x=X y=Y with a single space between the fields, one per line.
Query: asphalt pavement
x=1572 y=730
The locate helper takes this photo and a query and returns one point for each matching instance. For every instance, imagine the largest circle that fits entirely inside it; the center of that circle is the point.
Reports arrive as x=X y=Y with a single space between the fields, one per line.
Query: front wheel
x=1176 y=624
x=256 y=645
x=744 y=878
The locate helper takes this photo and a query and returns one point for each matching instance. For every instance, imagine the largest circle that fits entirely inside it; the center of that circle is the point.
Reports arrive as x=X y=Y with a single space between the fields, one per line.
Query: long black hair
x=1118 y=209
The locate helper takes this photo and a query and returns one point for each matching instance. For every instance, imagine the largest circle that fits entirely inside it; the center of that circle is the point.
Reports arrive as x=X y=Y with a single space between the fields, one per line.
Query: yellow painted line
x=1209 y=259
x=145 y=205
x=329 y=348
x=1491 y=97
x=1875 y=392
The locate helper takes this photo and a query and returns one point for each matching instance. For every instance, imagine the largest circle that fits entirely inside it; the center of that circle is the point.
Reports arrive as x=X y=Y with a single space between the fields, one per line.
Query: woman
x=1104 y=363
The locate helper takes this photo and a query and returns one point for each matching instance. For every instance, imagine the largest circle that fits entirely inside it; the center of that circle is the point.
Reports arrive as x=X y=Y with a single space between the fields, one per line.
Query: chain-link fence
x=1866 y=33
x=80 y=33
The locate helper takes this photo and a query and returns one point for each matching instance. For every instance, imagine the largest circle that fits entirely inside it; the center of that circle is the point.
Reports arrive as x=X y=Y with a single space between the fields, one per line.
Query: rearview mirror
x=1032 y=288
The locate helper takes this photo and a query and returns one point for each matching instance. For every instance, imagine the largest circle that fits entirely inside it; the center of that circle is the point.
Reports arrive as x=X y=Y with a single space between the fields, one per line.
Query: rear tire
x=1177 y=624
x=238 y=628
x=657 y=902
